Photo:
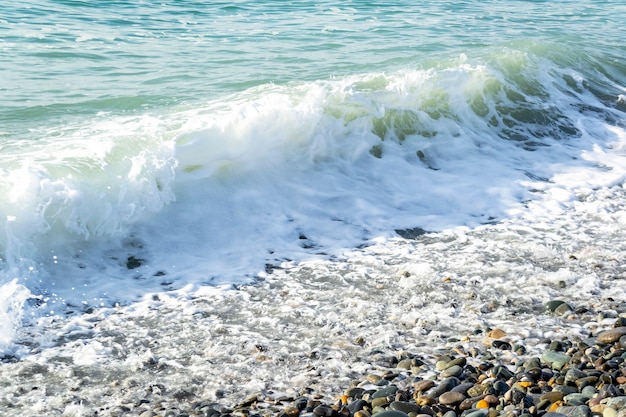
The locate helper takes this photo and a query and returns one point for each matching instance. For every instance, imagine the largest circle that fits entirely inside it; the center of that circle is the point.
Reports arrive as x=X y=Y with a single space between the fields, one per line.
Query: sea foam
x=104 y=212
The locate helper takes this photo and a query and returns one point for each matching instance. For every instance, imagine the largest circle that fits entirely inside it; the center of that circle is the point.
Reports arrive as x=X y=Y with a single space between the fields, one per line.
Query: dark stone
x=324 y=411
x=413 y=233
x=132 y=262
x=357 y=405
x=405 y=407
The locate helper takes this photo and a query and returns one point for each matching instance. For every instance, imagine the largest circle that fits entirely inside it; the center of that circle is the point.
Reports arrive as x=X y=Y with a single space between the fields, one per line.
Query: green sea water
x=63 y=61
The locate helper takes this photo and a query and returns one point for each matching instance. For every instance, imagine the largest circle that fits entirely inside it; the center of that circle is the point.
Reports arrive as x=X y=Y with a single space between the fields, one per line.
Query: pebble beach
x=435 y=331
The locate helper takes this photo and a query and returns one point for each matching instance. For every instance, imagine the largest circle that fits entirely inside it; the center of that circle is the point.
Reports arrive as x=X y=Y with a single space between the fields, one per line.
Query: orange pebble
x=482 y=404
x=554 y=406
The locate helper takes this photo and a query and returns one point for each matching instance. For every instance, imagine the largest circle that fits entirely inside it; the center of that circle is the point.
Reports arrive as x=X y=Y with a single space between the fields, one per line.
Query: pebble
x=575 y=411
x=405 y=407
x=454 y=370
x=556 y=359
x=392 y=413
x=423 y=385
x=618 y=403
x=611 y=335
x=571 y=378
x=451 y=398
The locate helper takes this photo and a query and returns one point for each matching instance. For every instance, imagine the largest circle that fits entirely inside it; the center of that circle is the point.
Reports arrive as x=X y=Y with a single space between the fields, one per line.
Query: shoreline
x=314 y=329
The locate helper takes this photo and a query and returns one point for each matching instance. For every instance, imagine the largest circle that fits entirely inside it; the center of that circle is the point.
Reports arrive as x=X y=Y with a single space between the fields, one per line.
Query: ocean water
x=179 y=149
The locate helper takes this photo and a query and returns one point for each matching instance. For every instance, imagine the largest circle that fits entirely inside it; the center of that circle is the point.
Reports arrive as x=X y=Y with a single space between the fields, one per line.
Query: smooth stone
x=563 y=308
x=553 y=305
x=379 y=402
x=392 y=413
x=606 y=411
x=502 y=372
x=554 y=414
x=611 y=336
x=477 y=389
x=618 y=403
x=357 y=405
x=566 y=390
x=405 y=407
x=444 y=386
x=461 y=361
x=355 y=392
x=454 y=370
x=576 y=398
x=405 y=364
x=423 y=385
x=555 y=359
x=323 y=411
x=450 y=414
x=478 y=413
x=496 y=334
x=574 y=374
x=385 y=392
x=575 y=411
x=451 y=398
x=463 y=388
x=552 y=396
x=501 y=387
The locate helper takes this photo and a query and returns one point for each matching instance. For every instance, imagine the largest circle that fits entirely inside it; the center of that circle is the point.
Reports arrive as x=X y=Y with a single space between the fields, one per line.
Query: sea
x=185 y=150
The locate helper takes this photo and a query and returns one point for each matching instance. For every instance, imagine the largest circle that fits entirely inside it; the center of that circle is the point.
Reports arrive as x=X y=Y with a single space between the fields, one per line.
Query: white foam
x=13 y=296
x=278 y=174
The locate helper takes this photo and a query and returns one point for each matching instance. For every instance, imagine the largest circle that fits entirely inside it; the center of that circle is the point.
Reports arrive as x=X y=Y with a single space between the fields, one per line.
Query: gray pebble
x=391 y=413
x=454 y=370
x=405 y=407
x=575 y=411
x=385 y=392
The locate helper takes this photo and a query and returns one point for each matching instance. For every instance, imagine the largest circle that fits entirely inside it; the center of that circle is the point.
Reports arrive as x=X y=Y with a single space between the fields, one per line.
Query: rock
x=451 y=398
x=478 y=413
x=357 y=405
x=454 y=370
x=618 y=403
x=552 y=305
x=555 y=359
x=552 y=396
x=576 y=398
x=463 y=388
x=500 y=387
x=496 y=334
x=423 y=385
x=611 y=336
x=477 y=389
x=563 y=309
x=405 y=407
x=323 y=411
x=385 y=392
x=444 y=386
x=391 y=413
x=575 y=411
x=379 y=401
x=405 y=364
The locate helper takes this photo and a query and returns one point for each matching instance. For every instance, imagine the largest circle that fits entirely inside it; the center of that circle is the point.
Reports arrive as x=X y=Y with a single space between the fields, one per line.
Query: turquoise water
x=150 y=145
x=67 y=60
